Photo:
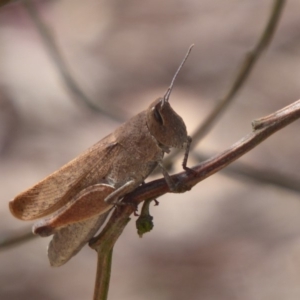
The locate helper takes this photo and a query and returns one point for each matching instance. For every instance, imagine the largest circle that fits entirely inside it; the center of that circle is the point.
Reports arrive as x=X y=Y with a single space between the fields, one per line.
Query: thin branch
x=205 y=169
x=239 y=169
x=16 y=238
x=186 y=180
x=273 y=118
x=54 y=52
x=242 y=75
x=104 y=259
x=244 y=72
x=5 y=2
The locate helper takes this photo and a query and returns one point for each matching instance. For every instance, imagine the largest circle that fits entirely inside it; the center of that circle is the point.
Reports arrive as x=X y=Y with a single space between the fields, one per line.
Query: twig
x=104 y=250
x=187 y=180
x=239 y=169
x=104 y=261
x=159 y=187
x=16 y=238
x=51 y=46
x=243 y=73
x=4 y=2
x=274 y=118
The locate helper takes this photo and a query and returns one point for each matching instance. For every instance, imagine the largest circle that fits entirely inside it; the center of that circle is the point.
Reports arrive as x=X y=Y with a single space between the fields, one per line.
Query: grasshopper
x=75 y=200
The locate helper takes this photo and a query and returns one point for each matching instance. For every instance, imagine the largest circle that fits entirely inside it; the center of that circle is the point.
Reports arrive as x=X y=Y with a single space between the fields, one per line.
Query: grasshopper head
x=165 y=125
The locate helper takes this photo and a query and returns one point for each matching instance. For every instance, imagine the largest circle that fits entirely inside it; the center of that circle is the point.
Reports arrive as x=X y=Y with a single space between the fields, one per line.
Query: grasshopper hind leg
x=86 y=204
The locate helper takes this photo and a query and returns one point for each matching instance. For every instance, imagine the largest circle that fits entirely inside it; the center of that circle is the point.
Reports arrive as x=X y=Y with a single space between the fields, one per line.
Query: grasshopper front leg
x=178 y=187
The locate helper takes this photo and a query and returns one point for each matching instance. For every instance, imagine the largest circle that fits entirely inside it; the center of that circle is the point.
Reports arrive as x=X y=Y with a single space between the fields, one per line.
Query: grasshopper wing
x=60 y=187
x=69 y=240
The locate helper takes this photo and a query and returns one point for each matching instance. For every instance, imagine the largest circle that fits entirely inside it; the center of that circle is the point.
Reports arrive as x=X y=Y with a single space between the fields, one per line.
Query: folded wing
x=60 y=187
x=68 y=241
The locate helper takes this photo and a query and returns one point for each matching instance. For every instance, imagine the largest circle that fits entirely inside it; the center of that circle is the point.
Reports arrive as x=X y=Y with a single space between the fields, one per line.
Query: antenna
x=169 y=90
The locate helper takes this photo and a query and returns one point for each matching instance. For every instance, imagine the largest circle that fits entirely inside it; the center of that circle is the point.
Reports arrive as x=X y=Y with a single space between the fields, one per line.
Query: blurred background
x=231 y=237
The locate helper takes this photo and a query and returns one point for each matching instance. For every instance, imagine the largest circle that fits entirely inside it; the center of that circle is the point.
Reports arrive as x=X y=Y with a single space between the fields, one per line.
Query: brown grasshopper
x=79 y=195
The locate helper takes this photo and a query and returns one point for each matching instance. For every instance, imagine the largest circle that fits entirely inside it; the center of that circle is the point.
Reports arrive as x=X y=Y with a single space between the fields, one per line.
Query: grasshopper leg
x=86 y=204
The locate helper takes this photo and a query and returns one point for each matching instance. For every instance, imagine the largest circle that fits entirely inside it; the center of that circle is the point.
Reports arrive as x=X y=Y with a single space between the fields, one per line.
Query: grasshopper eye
x=157 y=115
